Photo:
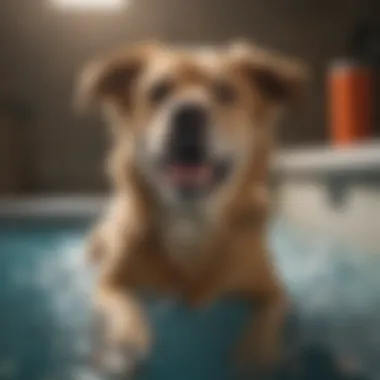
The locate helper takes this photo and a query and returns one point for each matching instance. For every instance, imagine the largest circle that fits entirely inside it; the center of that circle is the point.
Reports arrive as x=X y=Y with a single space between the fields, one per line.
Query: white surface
x=355 y=222
x=362 y=157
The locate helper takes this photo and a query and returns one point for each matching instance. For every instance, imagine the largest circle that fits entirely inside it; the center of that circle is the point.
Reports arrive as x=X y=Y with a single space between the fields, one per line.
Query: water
x=46 y=323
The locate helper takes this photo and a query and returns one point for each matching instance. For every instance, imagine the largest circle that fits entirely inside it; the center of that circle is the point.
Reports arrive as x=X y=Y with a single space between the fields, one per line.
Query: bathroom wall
x=41 y=51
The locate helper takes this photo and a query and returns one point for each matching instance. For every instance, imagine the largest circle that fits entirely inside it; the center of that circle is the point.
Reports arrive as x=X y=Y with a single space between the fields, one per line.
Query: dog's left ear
x=109 y=80
x=281 y=80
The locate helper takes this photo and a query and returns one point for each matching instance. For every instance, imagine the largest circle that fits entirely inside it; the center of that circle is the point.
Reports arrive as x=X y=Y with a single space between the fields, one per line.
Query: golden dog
x=193 y=135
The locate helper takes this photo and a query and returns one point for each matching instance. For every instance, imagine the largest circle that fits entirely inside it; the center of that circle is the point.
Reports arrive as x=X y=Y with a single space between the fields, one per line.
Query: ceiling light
x=89 y=4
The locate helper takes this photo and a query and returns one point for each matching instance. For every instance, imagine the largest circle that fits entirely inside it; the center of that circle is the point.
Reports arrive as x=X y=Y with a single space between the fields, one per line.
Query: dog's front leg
x=127 y=335
x=259 y=282
x=262 y=340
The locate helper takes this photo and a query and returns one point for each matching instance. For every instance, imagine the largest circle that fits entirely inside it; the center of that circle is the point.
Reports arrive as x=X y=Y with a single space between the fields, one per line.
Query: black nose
x=188 y=135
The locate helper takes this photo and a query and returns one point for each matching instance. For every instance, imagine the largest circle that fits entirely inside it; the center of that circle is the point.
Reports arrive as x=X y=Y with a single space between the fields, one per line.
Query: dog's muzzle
x=188 y=134
x=189 y=165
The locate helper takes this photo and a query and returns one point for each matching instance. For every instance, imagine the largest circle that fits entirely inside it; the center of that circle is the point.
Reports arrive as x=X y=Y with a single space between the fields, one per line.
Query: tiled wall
x=42 y=50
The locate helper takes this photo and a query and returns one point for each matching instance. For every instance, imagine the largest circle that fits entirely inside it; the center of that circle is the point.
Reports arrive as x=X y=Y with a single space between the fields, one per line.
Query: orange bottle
x=350 y=102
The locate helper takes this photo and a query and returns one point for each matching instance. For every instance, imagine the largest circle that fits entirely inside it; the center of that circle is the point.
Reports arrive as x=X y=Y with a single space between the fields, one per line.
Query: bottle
x=350 y=101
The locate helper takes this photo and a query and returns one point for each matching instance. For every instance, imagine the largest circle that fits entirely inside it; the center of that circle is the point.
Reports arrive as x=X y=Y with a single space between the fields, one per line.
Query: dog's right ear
x=109 y=80
x=281 y=80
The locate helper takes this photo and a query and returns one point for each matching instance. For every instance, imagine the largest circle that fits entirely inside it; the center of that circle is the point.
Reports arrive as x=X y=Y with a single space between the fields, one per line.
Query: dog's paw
x=120 y=362
x=257 y=360
x=249 y=373
x=267 y=357
x=256 y=367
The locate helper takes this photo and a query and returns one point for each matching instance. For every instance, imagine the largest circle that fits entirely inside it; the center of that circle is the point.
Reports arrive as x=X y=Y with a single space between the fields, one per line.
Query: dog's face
x=195 y=117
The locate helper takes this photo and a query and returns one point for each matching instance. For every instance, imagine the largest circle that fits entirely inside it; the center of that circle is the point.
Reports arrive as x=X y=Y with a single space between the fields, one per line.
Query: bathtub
x=48 y=326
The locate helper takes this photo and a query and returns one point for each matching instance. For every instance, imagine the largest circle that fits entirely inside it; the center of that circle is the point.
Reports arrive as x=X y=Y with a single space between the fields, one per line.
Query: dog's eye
x=159 y=92
x=225 y=93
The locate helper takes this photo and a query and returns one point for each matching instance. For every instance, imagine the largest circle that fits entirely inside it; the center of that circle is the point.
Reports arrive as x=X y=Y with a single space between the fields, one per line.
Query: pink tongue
x=190 y=175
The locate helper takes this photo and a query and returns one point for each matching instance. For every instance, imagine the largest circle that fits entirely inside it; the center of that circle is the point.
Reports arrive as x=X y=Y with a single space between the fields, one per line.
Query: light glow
x=89 y=4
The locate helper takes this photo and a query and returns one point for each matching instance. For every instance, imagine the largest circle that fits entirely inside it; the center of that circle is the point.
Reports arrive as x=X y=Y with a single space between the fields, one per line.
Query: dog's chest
x=184 y=232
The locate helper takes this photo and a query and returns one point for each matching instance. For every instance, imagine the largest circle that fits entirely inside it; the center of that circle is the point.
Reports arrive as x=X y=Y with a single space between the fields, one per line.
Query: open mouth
x=196 y=179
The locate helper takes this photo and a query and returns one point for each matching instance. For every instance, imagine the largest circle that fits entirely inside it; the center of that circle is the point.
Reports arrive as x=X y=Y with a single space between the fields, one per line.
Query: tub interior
x=48 y=326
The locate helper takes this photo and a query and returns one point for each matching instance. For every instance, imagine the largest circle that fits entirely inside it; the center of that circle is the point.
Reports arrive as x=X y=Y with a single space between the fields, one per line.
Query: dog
x=193 y=133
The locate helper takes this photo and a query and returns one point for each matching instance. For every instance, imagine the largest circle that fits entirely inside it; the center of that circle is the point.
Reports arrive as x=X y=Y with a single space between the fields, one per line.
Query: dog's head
x=194 y=117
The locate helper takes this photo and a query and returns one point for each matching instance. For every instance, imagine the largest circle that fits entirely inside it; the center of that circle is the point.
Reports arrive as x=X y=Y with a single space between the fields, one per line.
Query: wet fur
x=136 y=244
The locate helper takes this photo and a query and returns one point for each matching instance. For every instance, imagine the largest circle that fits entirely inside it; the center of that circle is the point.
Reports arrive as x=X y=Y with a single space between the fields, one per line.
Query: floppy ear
x=109 y=80
x=281 y=80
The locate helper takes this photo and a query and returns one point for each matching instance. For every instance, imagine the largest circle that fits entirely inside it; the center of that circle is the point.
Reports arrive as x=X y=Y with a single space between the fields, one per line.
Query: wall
x=41 y=51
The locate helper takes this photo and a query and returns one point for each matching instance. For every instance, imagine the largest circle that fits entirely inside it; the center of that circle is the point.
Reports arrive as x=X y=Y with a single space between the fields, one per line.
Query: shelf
x=359 y=159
